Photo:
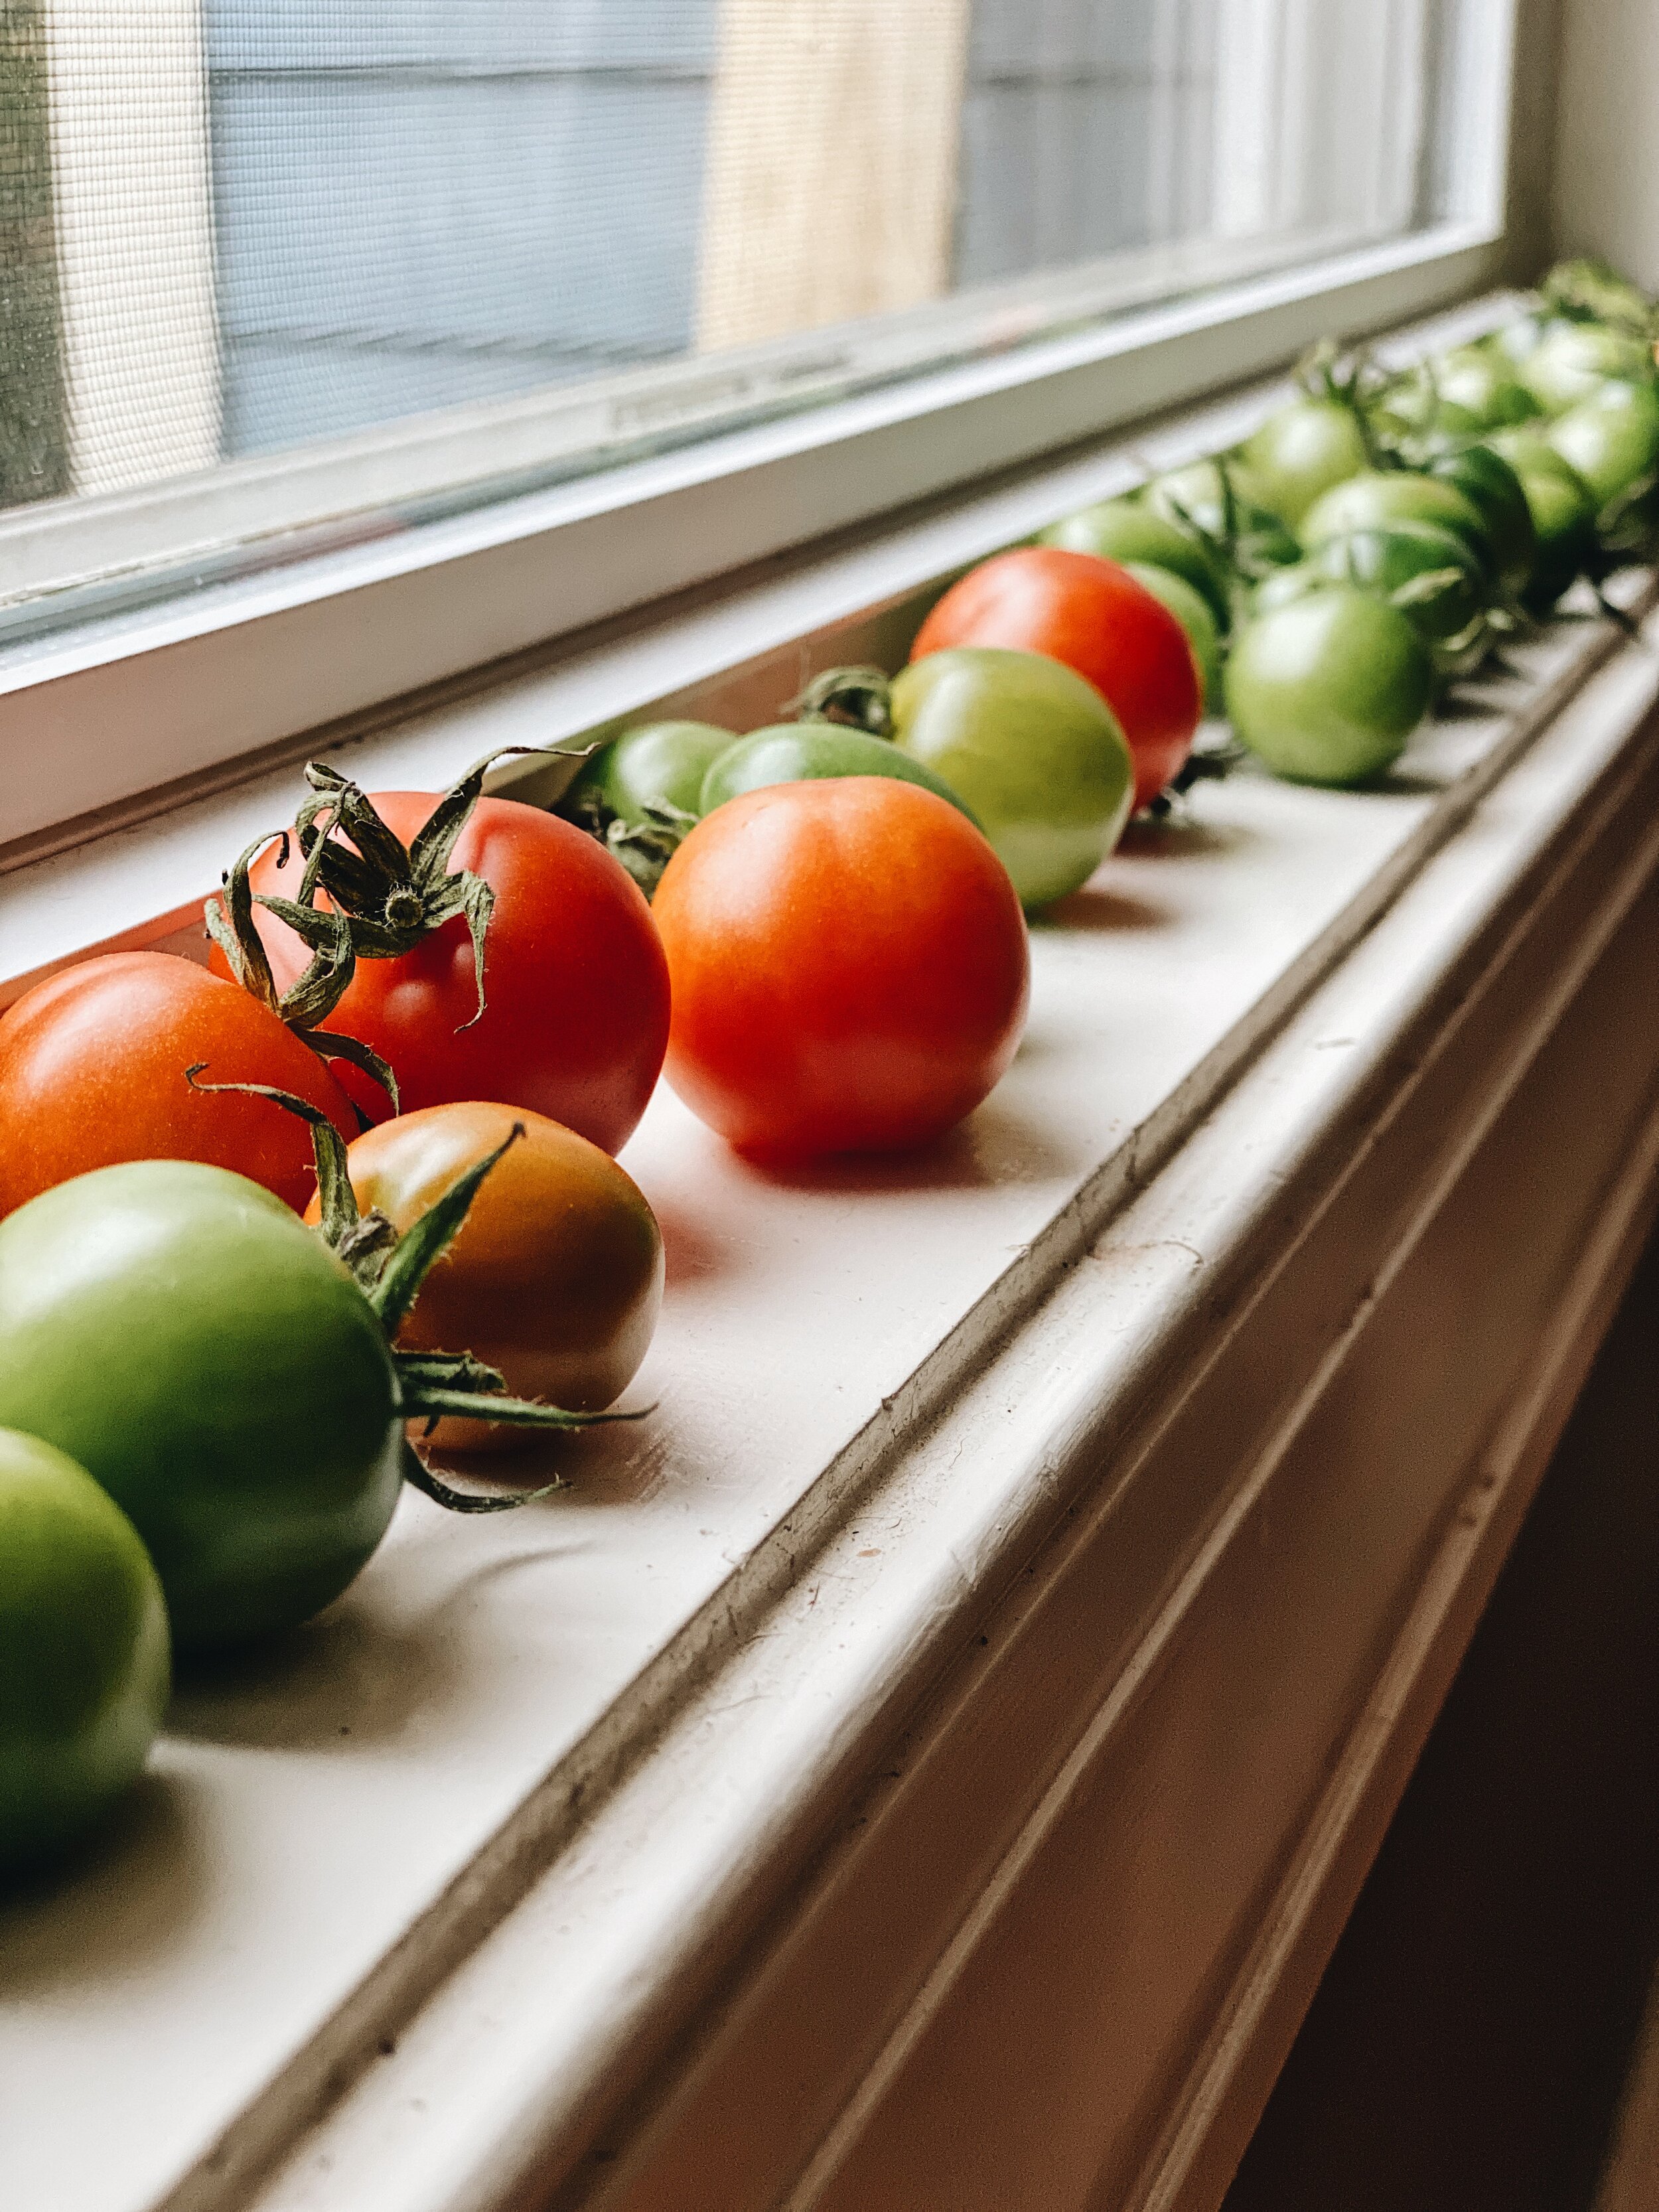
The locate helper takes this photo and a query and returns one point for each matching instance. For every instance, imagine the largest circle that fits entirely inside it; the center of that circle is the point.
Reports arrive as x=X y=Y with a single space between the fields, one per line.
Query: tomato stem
x=419 y=1476
x=643 y=848
x=385 y=898
x=314 y=996
x=858 y=698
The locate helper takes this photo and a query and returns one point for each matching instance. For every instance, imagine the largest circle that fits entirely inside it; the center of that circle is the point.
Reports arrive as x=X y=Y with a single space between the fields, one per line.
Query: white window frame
x=97 y=720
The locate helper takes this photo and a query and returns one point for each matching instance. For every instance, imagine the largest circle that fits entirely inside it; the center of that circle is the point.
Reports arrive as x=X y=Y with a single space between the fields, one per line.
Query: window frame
x=219 y=675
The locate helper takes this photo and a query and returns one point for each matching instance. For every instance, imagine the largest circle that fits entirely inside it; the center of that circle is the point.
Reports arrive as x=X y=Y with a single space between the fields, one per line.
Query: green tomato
x=1384 y=561
x=83 y=1652
x=1527 y=450
x=1491 y=485
x=1328 y=689
x=1594 y=284
x=1480 y=391
x=1301 y=451
x=801 y=752
x=1193 y=496
x=1563 y=514
x=1571 y=359
x=1194 y=612
x=1033 y=747
x=1128 y=531
x=1381 y=497
x=1611 y=438
x=1514 y=343
x=660 y=763
x=209 y=1362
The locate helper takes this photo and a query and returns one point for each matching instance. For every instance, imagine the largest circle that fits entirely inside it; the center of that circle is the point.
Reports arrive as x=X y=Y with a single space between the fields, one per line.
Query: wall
x=1607 y=175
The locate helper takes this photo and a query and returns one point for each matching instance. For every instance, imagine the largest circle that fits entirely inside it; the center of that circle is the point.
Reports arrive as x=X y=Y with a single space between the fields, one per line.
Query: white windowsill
x=359 y=1809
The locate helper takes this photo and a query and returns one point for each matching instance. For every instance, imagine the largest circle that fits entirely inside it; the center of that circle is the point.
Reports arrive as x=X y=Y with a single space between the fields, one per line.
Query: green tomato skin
x=1035 y=749
x=1597 y=285
x=1381 y=497
x=1328 y=689
x=1127 y=530
x=201 y=1353
x=1529 y=452
x=1514 y=343
x=802 y=752
x=660 y=763
x=1286 y=585
x=1611 y=438
x=1381 y=561
x=1300 y=452
x=1482 y=391
x=1491 y=487
x=1564 y=516
x=1196 y=492
x=84 y=1662
x=1193 y=611
x=1571 y=359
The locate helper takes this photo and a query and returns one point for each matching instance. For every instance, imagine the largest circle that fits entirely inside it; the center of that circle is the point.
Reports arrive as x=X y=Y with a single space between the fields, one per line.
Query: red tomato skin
x=850 y=966
x=92 y=1073
x=575 y=984
x=1093 y=614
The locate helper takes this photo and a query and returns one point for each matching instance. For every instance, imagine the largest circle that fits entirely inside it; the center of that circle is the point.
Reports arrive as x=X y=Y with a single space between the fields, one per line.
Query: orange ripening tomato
x=1093 y=614
x=849 y=964
x=576 y=989
x=92 y=1072
x=555 y=1278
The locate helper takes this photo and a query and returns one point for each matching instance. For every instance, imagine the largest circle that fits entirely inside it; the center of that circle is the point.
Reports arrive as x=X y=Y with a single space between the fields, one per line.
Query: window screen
x=244 y=229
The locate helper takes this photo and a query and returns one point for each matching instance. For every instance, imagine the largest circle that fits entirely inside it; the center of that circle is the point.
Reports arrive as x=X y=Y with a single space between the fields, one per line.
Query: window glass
x=302 y=260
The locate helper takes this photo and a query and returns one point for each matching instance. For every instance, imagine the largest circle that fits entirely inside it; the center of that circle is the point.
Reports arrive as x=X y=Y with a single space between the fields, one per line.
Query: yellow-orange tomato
x=557 y=1276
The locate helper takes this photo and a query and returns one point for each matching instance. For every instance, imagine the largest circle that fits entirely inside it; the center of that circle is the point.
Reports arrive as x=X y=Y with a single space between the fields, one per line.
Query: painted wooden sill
x=921 y=1768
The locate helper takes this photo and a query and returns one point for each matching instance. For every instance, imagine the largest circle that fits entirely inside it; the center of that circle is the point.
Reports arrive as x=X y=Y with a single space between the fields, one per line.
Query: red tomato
x=849 y=965
x=575 y=984
x=92 y=1072
x=1094 y=615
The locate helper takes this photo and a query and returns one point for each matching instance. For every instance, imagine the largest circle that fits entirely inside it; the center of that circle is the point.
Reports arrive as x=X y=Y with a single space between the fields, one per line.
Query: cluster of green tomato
x=1376 y=538
x=1371 y=542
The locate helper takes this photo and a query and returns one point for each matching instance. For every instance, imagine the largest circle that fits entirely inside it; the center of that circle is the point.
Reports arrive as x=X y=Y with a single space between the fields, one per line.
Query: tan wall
x=1607 y=169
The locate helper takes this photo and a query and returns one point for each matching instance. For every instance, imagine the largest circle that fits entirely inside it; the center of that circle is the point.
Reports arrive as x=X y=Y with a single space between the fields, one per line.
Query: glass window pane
x=523 y=239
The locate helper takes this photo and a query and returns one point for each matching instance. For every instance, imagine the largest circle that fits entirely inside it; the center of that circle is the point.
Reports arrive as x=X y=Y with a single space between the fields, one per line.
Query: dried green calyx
x=1245 y=542
x=393 y=895
x=643 y=848
x=384 y=898
x=856 y=698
